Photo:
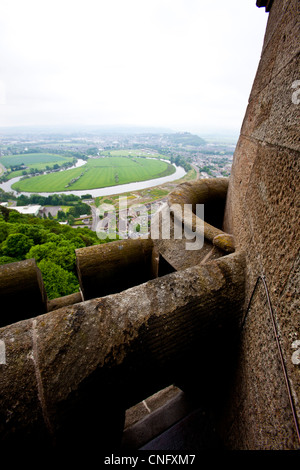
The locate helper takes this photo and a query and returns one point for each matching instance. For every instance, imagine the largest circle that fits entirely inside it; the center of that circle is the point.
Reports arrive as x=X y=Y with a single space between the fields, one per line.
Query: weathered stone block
x=284 y=116
x=116 y=266
x=22 y=291
x=262 y=211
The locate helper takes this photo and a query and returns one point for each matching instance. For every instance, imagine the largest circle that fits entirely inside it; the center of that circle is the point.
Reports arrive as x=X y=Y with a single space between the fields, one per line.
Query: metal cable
x=287 y=383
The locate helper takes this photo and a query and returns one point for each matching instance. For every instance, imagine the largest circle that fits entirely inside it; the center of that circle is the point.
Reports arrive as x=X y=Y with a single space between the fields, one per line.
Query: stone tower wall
x=262 y=212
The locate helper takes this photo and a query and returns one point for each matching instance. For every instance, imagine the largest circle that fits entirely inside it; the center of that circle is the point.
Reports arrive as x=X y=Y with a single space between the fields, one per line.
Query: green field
x=134 y=153
x=38 y=161
x=97 y=173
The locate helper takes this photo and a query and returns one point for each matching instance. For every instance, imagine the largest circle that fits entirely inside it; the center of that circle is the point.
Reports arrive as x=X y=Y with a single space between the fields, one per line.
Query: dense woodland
x=52 y=246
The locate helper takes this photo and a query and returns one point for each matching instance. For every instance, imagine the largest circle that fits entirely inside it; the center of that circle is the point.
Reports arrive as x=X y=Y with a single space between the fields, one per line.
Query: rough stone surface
x=150 y=404
x=60 y=302
x=22 y=291
x=262 y=212
x=116 y=266
x=88 y=357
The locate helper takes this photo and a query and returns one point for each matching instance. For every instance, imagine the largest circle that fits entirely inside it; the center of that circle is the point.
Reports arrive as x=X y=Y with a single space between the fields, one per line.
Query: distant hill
x=184 y=138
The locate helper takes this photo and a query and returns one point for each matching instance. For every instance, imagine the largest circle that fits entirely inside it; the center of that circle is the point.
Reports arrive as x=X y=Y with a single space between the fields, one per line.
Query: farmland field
x=32 y=160
x=98 y=173
x=134 y=153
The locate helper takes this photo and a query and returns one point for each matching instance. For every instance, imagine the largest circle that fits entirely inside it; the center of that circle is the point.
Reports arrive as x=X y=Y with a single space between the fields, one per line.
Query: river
x=107 y=191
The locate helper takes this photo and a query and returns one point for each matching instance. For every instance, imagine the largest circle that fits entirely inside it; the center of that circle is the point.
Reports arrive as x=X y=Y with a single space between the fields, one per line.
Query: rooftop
x=29 y=210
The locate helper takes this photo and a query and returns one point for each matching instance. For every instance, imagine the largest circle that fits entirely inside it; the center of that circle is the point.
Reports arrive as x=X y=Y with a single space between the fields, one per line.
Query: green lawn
x=98 y=173
x=32 y=160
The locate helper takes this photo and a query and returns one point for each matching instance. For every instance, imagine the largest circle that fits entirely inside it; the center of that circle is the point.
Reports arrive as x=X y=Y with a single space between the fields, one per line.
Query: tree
x=62 y=253
x=39 y=252
x=3 y=231
x=70 y=219
x=15 y=217
x=36 y=233
x=58 y=282
x=16 y=245
x=80 y=209
x=22 y=200
x=61 y=215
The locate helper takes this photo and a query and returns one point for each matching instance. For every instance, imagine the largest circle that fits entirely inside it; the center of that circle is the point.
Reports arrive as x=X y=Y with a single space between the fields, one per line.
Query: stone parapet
x=88 y=362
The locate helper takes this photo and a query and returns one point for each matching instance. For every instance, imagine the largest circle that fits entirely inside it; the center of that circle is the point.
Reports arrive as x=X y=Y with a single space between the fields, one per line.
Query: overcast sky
x=187 y=65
